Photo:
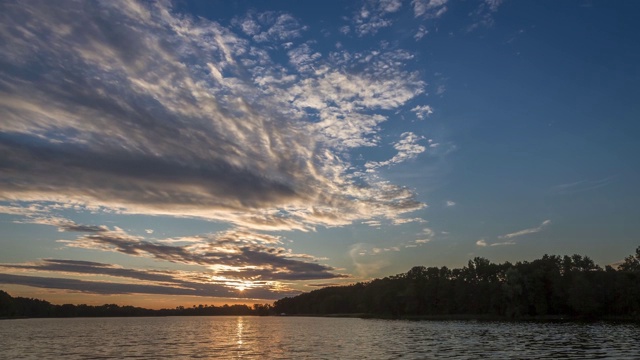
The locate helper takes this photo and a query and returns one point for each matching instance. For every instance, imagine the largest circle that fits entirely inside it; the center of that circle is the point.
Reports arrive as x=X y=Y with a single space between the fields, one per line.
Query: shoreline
x=479 y=317
x=365 y=316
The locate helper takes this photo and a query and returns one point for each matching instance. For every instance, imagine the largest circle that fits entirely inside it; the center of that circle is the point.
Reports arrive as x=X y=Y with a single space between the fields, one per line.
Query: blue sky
x=163 y=153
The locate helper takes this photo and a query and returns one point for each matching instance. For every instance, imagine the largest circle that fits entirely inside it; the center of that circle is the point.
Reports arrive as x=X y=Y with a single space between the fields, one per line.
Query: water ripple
x=311 y=338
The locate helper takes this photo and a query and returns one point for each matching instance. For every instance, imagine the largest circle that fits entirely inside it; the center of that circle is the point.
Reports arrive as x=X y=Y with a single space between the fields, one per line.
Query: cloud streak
x=241 y=253
x=583 y=185
x=137 y=281
x=483 y=243
x=111 y=288
x=536 y=229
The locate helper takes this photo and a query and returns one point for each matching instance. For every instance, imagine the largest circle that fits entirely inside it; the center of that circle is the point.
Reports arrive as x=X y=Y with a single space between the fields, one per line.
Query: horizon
x=206 y=152
x=187 y=302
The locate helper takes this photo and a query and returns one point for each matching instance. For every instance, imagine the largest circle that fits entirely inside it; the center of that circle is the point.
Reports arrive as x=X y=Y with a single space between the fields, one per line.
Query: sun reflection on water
x=239 y=330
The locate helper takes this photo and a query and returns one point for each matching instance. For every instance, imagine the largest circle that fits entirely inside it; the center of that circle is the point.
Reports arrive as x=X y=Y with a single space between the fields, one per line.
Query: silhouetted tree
x=553 y=285
x=632 y=262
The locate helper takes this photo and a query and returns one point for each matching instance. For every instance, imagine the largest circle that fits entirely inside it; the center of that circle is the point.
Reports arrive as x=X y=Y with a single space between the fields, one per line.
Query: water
x=311 y=338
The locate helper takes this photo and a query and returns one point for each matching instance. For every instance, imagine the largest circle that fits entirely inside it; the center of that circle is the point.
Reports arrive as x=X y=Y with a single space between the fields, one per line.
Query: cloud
x=422 y=32
x=165 y=282
x=236 y=254
x=483 y=243
x=110 y=288
x=422 y=111
x=303 y=57
x=371 y=17
x=390 y=6
x=583 y=185
x=426 y=236
x=539 y=228
x=92 y=268
x=63 y=224
x=167 y=114
x=493 y=4
x=372 y=223
x=270 y=26
x=542 y=226
x=483 y=14
x=450 y=203
x=407 y=147
x=240 y=252
x=429 y=8
x=401 y=221
x=503 y=243
x=31 y=210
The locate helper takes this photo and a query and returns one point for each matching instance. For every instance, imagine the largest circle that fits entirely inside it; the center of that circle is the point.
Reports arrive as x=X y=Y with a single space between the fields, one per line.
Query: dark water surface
x=311 y=338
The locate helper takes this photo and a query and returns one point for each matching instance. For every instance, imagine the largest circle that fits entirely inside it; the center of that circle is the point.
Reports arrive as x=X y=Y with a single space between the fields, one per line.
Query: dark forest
x=553 y=286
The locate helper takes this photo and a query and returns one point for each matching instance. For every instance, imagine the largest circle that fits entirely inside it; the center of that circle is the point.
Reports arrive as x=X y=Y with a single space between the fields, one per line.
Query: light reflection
x=239 y=330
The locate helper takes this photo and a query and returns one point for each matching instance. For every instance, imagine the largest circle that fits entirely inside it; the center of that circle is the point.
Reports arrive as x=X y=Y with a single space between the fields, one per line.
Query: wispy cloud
x=407 y=147
x=401 y=221
x=174 y=282
x=426 y=236
x=114 y=288
x=483 y=14
x=536 y=229
x=429 y=8
x=166 y=114
x=583 y=185
x=371 y=16
x=509 y=238
x=493 y=4
x=483 y=243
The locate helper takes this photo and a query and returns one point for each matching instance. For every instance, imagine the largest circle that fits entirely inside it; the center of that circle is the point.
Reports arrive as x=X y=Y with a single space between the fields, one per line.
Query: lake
x=237 y=337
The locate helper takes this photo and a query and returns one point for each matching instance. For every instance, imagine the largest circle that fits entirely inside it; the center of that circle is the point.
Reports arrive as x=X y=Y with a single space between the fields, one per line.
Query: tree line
x=13 y=307
x=553 y=286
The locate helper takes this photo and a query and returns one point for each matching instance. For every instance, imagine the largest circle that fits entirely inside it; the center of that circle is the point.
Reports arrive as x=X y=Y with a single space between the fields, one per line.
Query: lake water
x=311 y=338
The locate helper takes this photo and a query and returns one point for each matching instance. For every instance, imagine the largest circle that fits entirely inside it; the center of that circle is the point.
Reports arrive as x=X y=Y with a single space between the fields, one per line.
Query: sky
x=160 y=153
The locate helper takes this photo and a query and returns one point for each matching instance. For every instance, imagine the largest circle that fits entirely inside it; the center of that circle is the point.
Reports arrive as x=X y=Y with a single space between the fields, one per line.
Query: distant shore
x=477 y=317
x=451 y=317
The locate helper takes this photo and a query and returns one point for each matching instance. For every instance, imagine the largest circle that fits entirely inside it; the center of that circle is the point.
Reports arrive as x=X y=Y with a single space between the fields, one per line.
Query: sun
x=241 y=288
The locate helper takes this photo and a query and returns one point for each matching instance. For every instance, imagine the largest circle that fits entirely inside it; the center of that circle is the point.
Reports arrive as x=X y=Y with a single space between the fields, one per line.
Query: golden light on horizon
x=239 y=285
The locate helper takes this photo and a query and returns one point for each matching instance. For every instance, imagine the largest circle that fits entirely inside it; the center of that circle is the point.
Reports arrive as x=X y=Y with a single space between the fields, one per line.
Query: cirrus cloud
x=536 y=229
